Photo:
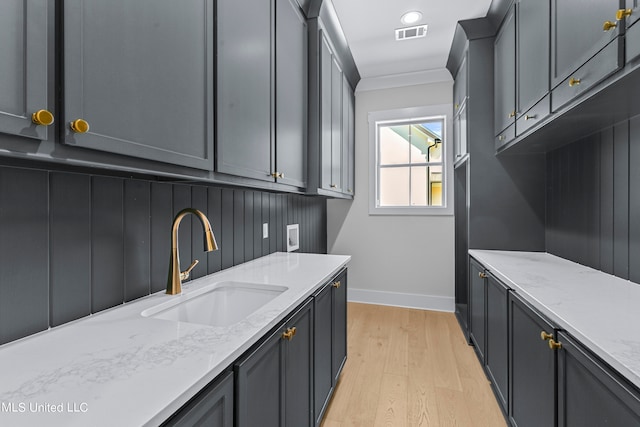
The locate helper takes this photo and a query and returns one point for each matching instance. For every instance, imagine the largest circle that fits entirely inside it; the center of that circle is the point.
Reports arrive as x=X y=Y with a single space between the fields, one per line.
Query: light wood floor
x=410 y=368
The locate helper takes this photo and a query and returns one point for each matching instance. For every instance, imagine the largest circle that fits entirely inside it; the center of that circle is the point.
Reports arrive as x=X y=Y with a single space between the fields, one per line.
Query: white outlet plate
x=265 y=230
x=293 y=237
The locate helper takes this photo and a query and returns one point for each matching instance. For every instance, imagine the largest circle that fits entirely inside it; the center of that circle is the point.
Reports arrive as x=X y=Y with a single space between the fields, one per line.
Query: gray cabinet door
x=23 y=66
x=141 y=75
x=532 y=367
x=212 y=407
x=634 y=5
x=577 y=33
x=245 y=134
x=326 y=64
x=323 y=378
x=460 y=86
x=477 y=309
x=339 y=332
x=590 y=393
x=348 y=137
x=496 y=356
x=336 y=125
x=505 y=73
x=298 y=372
x=260 y=386
x=291 y=93
x=533 y=52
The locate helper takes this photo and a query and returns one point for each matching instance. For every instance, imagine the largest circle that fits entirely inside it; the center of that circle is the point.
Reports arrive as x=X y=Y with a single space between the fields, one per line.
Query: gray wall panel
x=198 y=201
x=70 y=247
x=226 y=238
x=161 y=219
x=621 y=200
x=257 y=224
x=24 y=245
x=248 y=225
x=606 y=201
x=634 y=200
x=273 y=219
x=182 y=200
x=107 y=246
x=238 y=227
x=215 y=218
x=265 y=220
x=137 y=237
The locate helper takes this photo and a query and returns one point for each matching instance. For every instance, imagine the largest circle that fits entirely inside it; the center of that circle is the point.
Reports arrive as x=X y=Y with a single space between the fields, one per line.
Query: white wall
x=396 y=260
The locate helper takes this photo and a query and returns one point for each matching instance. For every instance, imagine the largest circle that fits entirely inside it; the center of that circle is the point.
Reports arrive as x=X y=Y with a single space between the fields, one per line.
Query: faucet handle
x=185 y=274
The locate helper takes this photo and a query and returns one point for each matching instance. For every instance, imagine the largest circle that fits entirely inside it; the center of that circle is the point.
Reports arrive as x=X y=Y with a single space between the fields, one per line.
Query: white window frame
x=430 y=112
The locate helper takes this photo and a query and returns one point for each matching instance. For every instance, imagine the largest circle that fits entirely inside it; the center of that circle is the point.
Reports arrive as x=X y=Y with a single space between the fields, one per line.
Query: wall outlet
x=265 y=230
x=293 y=237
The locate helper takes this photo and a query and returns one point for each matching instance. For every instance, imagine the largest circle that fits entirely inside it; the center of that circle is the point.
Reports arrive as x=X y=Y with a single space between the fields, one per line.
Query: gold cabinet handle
x=609 y=25
x=512 y=114
x=336 y=284
x=545 y=336
x=79 y=126
x=501 y=138
x=554 y=345
x=42 y=118
x=528 y=117
x=482 y=275
x=574 y=82
x=623 y=13
x=277 y=175
x=288 y=335
x=333 y=186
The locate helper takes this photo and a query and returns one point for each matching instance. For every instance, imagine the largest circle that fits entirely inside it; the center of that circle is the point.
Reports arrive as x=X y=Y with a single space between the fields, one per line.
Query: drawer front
x=535 y=115
x=603 y=64
x=633 y=42
x=506 y=136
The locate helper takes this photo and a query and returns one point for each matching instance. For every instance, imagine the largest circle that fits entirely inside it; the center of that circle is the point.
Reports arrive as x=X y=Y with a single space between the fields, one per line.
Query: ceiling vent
x=411 y=32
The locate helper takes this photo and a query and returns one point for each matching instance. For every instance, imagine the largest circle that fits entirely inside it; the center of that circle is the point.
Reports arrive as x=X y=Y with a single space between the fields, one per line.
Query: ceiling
x=369 y=26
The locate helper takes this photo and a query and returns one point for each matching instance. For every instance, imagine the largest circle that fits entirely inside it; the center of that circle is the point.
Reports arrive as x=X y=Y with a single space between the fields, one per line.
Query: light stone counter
x=600 y=310
x=118 y=368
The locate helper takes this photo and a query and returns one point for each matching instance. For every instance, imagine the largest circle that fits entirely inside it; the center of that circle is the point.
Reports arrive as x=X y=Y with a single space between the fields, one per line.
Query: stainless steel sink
x=224 y=304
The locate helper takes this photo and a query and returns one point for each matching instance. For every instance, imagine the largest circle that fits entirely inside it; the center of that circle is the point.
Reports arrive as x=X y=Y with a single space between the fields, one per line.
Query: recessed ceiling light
x=411 y=17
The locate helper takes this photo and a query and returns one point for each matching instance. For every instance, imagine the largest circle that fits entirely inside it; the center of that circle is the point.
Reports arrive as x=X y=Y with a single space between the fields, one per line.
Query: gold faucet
x=174 y=283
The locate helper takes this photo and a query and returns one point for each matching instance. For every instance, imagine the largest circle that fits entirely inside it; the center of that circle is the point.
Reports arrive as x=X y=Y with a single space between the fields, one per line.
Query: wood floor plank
x=409 y=367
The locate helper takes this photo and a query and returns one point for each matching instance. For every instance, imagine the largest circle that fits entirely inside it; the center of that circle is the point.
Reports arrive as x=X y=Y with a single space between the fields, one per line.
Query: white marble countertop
x=600 y=310
x=117 y=368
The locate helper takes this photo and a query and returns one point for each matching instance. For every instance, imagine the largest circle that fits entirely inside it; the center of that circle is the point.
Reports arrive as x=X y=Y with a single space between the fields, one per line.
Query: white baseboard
x=423 y=302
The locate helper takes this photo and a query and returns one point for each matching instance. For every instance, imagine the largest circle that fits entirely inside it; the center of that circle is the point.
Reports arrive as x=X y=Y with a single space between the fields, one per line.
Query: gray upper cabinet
x=335 y=155
x=532 y=53
x=460 y=93
x=23 y=67
x=262 y=91
x=460 y=86
x=505 y=73
x=631 y=13
x=291 y=94
x=577 y=35
x=138 y=79
x=244 y=103
x=348 y=137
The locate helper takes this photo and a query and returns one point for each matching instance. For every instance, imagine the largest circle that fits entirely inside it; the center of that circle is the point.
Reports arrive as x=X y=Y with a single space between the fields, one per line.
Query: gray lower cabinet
x=274 y=381
x=23 y=66
x=532 y=367
x=590 y=394
x=477 y=307
x=138 y=79
x=212 y=407
x=497 y=350
x=505 y=73
x=330 y=340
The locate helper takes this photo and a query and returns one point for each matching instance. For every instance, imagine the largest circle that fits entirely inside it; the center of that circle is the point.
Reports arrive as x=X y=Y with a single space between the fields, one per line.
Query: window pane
x=394 y=145
x=419 y=186
x=435 y=185
x=426 y=142
x=394 y=186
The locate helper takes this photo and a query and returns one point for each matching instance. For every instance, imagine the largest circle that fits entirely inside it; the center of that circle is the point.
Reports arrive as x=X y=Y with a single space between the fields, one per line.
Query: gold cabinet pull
x=528 y=117
x=482 y=275
x=336 y=284
x=545 y=336
x=333 y=186
x=623 y=13
x=609 y=25
x=277 y=175
x=288 y=335
x=574 y=82
x=512 y=114
x=501 y=138
x=42 y=118
x=79 y=126
x=554 y=345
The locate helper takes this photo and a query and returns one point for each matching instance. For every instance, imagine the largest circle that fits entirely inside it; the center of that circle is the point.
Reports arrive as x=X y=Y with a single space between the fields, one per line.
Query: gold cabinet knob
x=574 y=82
x=528 y=117
x=336 y=284
x=42 y=118
x=457 y=106
x=554 y=345
x=623 y=13
x=609 y=25
x=512 y=114
x=482 y=275
x=545 y=336
x=79 y=126
x=277 y=175
x=501 y=138
x=288 y=335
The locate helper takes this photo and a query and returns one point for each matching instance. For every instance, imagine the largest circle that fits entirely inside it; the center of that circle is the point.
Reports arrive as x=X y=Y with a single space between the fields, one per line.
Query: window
x=410 y=154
